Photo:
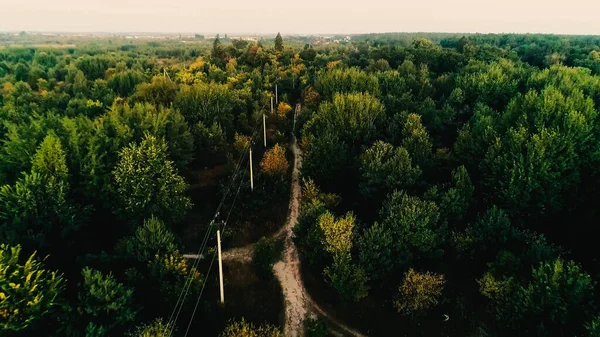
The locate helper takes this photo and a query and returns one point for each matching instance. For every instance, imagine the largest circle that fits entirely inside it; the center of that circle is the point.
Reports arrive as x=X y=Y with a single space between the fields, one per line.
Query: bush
x=245 y=329
x=315 y=327
x=266 y=253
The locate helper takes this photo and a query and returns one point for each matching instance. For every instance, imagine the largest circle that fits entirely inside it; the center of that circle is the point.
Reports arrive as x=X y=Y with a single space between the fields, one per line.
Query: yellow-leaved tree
x=419 y=292
x=283 y=109
x=274 y=162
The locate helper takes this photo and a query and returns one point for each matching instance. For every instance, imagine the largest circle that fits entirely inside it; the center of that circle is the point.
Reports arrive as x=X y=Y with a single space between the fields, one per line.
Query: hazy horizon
x=310 y=17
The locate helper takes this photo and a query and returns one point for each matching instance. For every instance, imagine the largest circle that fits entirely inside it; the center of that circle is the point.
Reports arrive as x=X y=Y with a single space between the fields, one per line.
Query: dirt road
x=287 y=271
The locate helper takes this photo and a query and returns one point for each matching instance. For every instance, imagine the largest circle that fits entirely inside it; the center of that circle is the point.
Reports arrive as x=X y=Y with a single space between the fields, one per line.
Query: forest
x=447 y=185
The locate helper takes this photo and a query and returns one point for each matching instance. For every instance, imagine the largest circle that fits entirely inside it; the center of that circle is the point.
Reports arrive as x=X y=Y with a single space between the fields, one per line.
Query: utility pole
x=265 y=129
x=220 y=267
x=251 y=177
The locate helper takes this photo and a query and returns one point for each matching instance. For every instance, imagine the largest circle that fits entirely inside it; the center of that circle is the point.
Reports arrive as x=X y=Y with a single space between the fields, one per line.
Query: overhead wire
x=189 y=280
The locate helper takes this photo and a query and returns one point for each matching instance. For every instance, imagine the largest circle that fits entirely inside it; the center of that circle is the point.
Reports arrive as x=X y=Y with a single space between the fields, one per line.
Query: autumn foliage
x=283 y=109
x=274 y=162
x=419 y=292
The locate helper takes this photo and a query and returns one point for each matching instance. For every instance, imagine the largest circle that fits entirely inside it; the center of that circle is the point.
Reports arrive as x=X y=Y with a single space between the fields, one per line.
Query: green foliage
x=168 y=274
x=455 y=202
x=377 y=251
x=124 y=83
x=593 y=328
x=278 y=43
x=37 y=211
x=265 y=254
x=558 y=298
x=151 y=239
x=125 y=124
x=416 y=140
x=161 y=91
x=353 y=117
x=28 y=292
x=104 y=302
x=326 y=160
x=385 y=169
x=444 y=126
x=351 y=80
x=414 y=225
x=315 y=327
x=208 y=103
x=146 y=183
x=308 y=235
x=156 y=328
x=491 y=233
x=211 y=143
x=335 y=132
x=50 y=159
x=348 y=279
x=242 y=328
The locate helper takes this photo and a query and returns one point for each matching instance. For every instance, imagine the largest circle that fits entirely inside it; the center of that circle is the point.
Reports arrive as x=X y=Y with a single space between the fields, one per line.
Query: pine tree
x=278 y=42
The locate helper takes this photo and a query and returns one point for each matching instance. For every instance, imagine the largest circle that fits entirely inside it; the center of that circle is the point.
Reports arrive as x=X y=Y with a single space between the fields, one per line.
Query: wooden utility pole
x=251 y=177
x=265 y=129
x=220 y=267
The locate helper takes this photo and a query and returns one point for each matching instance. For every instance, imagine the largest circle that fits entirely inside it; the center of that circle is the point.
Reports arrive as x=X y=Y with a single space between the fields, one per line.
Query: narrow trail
x=287 y=271
x=297 y=301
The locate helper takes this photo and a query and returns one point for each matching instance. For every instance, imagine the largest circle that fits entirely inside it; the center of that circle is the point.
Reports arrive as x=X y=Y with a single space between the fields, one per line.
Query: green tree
x=217 y=54
x=166 y=276
x=385 y=169
x=37 y=210
x=343 y=81
x=484 y=238
x=124 y=124
x=308 y=235
x=210 y=144
x=151 y=239
x=455 y=201
x=124 y=83
x=104 y=303
x=337 y=131
x=377 y=251
x=278 y=43
x=326 y=160
x=557 y=299
x=146 y=183
x=348 y=279
x=161 y=91
x=28 y=292
x=414 y=225
x=207 y=103
x=416 y=140
x=264 y=256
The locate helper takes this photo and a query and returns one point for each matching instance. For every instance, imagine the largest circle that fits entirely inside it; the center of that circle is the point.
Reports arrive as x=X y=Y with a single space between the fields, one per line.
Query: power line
x=184 y=292
x=250 y=143
x=211 y=264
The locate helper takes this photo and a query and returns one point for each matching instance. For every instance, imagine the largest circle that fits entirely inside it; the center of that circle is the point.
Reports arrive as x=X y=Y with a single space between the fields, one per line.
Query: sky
x=302 y=17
